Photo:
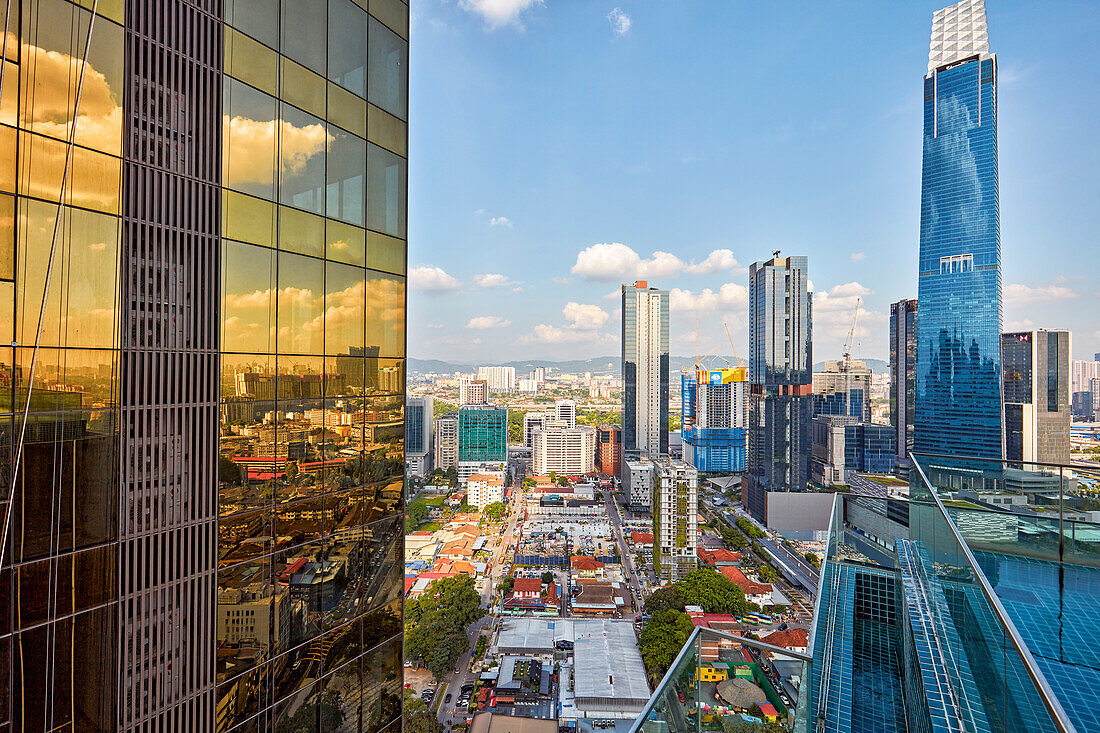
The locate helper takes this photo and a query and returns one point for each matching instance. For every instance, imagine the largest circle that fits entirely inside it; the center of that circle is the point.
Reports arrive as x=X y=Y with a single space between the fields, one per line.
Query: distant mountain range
x=596 y=365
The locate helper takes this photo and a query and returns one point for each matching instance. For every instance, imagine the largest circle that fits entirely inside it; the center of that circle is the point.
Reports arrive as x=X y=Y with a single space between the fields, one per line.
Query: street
x=453 y=682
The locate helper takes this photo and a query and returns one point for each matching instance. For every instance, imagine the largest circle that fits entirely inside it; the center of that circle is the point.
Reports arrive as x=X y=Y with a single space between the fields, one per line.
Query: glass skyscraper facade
x=780 y=375
x=482 y=434
x=958 y=382
x=645 y=369
x=903 y=373
x=204 y=216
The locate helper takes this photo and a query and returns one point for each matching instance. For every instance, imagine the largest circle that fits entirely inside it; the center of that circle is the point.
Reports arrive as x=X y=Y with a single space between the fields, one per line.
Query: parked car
x=447 y=699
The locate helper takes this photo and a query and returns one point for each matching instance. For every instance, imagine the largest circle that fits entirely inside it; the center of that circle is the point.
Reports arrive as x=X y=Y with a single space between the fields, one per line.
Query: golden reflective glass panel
x=385 y=313
x=387 y=69
x=386 y=191
x=93 y=178
x=346 y=176
x=301 y=232
x=347 y=45
x=251 y=62
x=304 y=34
x=302 y=142
x=257 y=18
x=57 y=62
x=248 y=298
x=385 y=253
x=301 y=323
x=345 y=243
x=81 y=309
x=248 y=139
x=345 y=287
x=247 y=218
x=302 y=88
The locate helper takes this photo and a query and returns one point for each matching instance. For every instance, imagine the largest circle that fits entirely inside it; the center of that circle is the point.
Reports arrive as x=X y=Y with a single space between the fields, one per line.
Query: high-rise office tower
x=197 y=185
x=609 y=449
x=1037 y=399
x=903 y=374
x=565 y=411
x=843 y=387
x=645 y=369
x=472 y=391
x=482 y=438
x=498 y=378
x=419 y=428
x=533 y=422
x=780 y=367
x=1083 y=372
x=446 y=441
x=958 y=407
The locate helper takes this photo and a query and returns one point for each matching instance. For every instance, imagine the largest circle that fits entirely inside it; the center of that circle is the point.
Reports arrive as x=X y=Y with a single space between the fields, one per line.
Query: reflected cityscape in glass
x=202 y=275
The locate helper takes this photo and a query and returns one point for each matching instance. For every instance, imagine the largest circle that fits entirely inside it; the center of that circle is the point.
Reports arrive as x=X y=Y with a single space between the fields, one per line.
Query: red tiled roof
x=721 y=555
x=527 y=585
x=750 y=587
x=789 y=639
x=584 y=562
x=644 y=538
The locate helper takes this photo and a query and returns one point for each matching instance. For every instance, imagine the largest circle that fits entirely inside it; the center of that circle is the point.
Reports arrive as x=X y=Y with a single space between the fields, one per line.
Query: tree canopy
x=494 y=511
x=714 y=592
x=662 y=639
x=436 y=621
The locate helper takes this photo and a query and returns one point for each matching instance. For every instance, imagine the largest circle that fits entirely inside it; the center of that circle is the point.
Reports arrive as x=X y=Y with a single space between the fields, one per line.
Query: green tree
x=812 y=559
x=662 y=639
x=436 y=621
x=494 y=511
x=228 y=472
x=750 y=529
x=714 y=592
x=418 y=718
x=664 y=599
x=291 y=470
x=505 y=586
x=547 y=577
x=767 y=574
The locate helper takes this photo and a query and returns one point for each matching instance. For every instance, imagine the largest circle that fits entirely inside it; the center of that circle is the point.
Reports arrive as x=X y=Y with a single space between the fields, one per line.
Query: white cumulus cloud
x=431 y=279
x=620 y=22
x=492 y=280
x=500 y=221
x=585 y=317
x=716 y=261
x=481 y=323
x=499 y=12
x=729 y=297
x=857 y=256
x=616 y=261
x=1018 y=293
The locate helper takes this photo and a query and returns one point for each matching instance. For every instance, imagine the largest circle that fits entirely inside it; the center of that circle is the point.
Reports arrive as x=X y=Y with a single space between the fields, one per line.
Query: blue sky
x=561 y=147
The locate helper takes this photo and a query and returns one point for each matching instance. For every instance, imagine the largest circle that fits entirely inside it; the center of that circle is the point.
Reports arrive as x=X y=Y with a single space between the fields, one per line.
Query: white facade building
x=527 y=385
x=675 y=518
x=566 y=411
x=472 y=391
x=499 y=378
x=446 y=441
x=563 y=449
x=483 y=489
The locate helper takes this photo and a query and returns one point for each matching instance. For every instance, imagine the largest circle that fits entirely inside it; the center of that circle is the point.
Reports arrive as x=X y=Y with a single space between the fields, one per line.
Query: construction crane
x=848 y=361
x=730 y=337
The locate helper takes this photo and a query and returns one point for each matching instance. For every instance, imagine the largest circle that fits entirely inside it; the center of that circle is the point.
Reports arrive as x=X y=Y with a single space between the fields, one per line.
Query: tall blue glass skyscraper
x=958 y=401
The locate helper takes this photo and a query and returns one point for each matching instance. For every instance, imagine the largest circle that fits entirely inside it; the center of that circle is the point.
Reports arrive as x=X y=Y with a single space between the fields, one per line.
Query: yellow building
x=714 y=672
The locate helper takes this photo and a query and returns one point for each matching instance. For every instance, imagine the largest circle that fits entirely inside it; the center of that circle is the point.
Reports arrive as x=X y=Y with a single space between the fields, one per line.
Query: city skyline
x=764 y=148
